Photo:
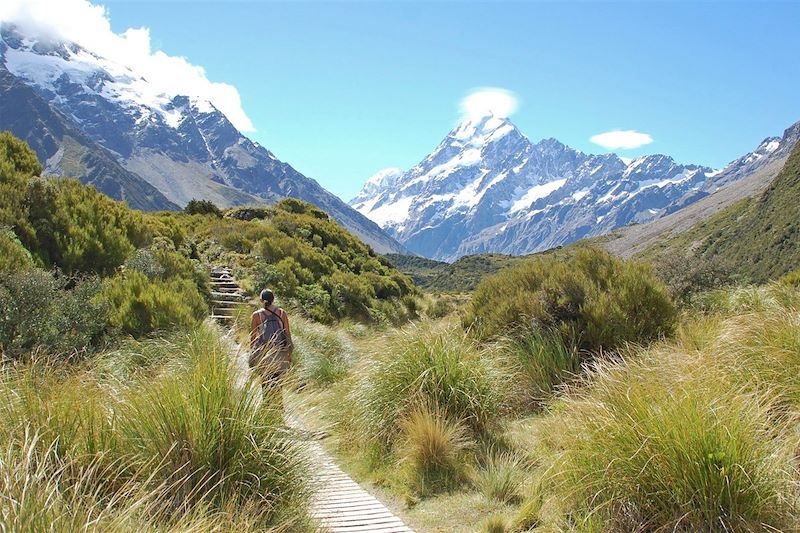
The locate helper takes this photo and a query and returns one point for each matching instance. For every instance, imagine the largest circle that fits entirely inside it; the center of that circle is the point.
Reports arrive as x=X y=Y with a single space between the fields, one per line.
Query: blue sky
x=341 y=90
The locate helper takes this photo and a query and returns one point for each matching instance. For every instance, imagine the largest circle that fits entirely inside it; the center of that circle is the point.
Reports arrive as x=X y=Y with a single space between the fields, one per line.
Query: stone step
x=225 y=285
x=235 y=296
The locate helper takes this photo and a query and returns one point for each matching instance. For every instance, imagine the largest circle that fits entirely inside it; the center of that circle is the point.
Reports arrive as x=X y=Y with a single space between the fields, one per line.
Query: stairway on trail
x=226 y=295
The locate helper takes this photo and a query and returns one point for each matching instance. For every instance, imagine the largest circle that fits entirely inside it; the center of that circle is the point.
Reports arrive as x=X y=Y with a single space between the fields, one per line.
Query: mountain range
x=100 y=121
x=487 y=188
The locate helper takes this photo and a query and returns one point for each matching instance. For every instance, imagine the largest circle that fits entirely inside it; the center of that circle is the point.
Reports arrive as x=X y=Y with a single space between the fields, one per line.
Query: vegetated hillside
x=119 y=409
x=461 y=276
x=754 y=240
x=61 y=144
x=636 y=238
x=304 y=255
x=78 y=268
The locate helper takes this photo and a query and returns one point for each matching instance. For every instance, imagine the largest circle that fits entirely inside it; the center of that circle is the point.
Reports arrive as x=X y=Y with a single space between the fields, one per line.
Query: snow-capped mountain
x=488 y=188
x=75 y=107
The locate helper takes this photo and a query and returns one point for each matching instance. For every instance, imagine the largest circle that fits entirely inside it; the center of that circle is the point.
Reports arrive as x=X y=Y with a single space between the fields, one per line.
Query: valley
x=576 y=315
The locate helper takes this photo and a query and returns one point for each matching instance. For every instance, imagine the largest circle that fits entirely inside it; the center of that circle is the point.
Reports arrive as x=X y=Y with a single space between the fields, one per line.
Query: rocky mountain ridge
x=488 y=188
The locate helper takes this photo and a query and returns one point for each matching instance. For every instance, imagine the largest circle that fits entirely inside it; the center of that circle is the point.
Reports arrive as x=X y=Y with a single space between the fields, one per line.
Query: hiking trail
x=338 y=503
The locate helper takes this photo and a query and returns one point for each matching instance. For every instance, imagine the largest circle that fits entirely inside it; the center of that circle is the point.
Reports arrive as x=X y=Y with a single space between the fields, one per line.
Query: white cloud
x=88 y=25
x=486 y=101
x=621 y=139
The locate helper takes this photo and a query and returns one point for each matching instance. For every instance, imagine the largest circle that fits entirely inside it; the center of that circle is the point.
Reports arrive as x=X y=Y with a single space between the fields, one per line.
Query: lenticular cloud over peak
x=487 y=101
x=88 y=25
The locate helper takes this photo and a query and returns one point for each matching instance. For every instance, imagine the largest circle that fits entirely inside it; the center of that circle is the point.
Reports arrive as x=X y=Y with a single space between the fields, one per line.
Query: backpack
x=272 y=334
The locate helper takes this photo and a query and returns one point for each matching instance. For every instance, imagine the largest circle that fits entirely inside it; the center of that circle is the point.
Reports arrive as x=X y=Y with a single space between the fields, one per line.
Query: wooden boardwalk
x=338 y=503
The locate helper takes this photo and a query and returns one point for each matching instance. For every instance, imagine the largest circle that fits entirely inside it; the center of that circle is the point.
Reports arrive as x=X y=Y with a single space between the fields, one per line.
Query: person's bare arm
x=285 y=319
x=255 y=321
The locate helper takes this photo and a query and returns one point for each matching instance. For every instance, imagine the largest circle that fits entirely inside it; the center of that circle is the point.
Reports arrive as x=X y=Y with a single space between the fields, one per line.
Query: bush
x=202 y=207
x=79 y=229
x=301 y=253
x=593 y=301
x=13 y=255
x=139 y=306
x=161 y=261
x=18 y=164
x=40 y=311
x=441 y=369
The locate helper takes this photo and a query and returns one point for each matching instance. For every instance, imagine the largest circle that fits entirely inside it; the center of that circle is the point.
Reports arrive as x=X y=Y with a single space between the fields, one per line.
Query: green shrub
x=40 y=311
x=79 y=229
x=160 y=261
x=13 y=255
x=202 y=207
x=301 y=253
x=442 y=369
x=139 y=306
x=315 y=302
x=592 y=300
x=18 y=164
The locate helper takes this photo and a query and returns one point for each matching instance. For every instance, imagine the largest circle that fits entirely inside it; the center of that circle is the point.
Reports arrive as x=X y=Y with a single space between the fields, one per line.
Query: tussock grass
x=542 y=362
x=494 y=524
x=748 y=299
x=762 y=352
x=433 y=450
x=176 y=446
x=219 y=440
x=670 y=442
x=439 y=367
x=322 y=355
x=500 y=477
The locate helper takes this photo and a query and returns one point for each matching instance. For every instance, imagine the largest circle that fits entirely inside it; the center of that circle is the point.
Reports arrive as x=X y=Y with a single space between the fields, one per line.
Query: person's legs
x=272 y=388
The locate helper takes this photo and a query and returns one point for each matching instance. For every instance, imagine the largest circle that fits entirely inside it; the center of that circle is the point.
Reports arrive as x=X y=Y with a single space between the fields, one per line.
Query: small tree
x=202 y=207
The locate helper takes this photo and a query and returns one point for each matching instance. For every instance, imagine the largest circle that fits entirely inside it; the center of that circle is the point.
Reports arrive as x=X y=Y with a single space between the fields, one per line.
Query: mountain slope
x=756 y=239
x=487 y=188
x=745 y=177
x=181 y=145
x=58 y=143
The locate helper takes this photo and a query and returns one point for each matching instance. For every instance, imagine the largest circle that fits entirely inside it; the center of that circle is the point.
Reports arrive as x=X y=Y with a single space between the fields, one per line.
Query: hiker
x=270 y=341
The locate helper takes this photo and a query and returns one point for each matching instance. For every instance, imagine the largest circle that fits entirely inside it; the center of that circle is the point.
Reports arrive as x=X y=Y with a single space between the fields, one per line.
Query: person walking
x=270 y=343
